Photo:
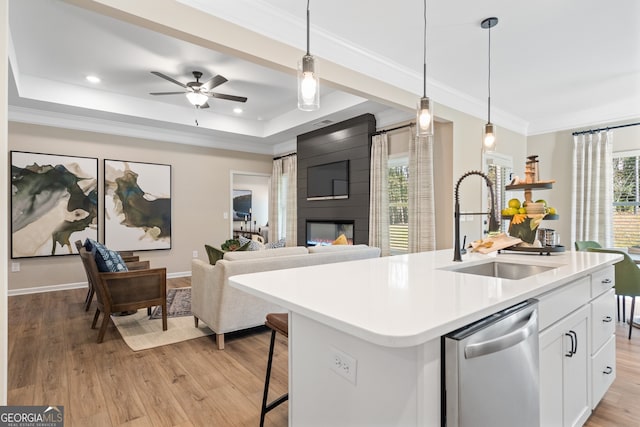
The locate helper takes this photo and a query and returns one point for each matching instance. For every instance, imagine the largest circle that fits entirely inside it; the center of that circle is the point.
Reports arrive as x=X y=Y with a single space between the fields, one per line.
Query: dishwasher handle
x=509 y=340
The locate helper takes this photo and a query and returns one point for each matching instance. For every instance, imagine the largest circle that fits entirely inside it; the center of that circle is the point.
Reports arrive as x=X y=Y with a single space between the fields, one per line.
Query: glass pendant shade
x=308 y=84
x=424 y=117
x=197 y=98
x=489 y=137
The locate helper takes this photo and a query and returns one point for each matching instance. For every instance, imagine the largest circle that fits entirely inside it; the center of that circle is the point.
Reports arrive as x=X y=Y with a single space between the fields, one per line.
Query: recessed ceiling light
x=237 y=110
x=93 y=79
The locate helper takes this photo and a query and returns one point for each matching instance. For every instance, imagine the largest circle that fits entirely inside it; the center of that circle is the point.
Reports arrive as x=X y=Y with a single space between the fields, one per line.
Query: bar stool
x=277 y=322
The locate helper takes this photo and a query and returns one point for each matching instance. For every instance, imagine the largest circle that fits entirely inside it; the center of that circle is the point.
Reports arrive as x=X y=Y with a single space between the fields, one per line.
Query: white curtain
x=283 y=209
x=379 y=195
x=592 y=196
x=422 y=226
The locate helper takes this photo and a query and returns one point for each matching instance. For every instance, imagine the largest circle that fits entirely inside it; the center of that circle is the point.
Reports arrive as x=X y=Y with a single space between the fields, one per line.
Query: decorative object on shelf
x=489 y=129
x=54 y=201
x=526 y=216
x=137 y=205
x=308 y=81
x=424 y=113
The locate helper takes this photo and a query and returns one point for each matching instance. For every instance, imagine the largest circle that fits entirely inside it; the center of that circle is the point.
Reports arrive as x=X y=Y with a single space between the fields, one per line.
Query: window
x=626 y=199
x=399 y=204
x=499 y=169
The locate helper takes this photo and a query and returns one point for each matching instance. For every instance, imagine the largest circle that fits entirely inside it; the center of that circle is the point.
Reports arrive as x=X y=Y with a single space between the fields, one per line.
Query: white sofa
x=226 y=309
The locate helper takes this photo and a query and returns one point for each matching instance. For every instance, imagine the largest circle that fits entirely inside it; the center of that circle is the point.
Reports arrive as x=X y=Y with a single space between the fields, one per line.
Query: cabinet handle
x=575 y=340
x=607 y=319
x=608 y=370
x=606 y=281
x=570 y=352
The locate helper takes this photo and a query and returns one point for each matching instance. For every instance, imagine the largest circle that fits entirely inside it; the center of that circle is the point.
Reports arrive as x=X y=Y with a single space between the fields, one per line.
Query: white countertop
x=407 y=300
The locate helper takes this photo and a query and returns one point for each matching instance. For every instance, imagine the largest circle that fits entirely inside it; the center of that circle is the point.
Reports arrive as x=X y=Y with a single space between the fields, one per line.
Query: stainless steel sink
x=503 y=270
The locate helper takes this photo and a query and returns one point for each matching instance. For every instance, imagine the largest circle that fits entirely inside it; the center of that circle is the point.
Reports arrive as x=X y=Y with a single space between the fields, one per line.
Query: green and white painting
x=137 y=205
x=54 y=202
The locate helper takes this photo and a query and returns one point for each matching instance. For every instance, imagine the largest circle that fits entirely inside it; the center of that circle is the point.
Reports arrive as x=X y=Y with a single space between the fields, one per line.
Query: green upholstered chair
x=584 y=244
x=627 y=279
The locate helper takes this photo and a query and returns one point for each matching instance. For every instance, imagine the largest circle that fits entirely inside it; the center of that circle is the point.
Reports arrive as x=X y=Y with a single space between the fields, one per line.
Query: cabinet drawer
x=603 y=370
x=558 y=303
x=602 y=319
x=602 y=280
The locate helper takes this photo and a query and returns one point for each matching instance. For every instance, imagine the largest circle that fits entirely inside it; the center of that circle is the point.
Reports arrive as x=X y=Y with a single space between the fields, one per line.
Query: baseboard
x=78 y=285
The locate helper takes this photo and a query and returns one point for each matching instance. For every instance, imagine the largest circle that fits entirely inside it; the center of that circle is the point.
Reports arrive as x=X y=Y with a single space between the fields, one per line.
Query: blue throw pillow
x=106 y=259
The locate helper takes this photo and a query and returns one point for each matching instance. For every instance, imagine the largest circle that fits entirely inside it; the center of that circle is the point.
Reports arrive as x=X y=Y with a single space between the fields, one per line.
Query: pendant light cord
x=424 y=54
x=308 y=27
x=489 y=81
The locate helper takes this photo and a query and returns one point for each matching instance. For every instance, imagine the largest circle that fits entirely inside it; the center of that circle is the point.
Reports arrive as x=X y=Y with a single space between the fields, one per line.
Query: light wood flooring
x=54 y=360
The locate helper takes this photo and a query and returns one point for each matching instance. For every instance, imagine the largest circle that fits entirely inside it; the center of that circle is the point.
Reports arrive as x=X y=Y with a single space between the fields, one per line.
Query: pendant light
x=424 y=112
x=308 y=81
x=489 y=137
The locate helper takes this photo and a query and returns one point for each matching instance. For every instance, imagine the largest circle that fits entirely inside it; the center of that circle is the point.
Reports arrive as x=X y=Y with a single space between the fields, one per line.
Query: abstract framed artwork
x=54 y=202
x=242 y=205
x=137 y=205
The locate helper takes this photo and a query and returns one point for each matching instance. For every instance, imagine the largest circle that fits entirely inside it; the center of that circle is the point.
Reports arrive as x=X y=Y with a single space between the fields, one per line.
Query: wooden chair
x=133 y=263
x=125 y=291
x=627 y=281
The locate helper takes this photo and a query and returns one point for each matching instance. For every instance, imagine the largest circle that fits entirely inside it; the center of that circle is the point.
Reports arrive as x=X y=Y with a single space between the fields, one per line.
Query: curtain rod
x=380 y=132
x=607 y=128
x=285 y=155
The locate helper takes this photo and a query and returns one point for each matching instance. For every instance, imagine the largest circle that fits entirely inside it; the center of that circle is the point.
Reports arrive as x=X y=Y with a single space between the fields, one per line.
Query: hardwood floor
x=54 y=360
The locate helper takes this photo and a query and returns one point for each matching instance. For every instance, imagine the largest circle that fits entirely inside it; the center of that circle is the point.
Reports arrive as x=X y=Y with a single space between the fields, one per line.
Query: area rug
x=140 y=332
x=178 y=304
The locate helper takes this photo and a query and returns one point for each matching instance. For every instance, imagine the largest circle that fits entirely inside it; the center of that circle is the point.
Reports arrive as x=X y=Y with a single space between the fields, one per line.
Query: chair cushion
x=341 y=240
x=106 y=259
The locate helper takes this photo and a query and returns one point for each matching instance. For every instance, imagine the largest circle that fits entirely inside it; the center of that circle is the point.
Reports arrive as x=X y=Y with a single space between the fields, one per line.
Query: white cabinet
x=564 y=371
x=603 y=342
x=577 y=348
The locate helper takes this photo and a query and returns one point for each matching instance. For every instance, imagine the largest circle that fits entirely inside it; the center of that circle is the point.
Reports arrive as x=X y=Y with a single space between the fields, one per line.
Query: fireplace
x=321 y=233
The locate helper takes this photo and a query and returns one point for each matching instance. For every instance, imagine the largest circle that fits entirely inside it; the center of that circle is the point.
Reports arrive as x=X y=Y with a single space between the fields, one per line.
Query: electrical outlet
x=15 y=267
x=343 y=364
x=195 y=254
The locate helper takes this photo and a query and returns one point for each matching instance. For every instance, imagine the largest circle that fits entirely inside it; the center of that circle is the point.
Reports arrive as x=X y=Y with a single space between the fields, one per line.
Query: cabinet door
x=551 y=360
x=576 y=373
x=564 y=355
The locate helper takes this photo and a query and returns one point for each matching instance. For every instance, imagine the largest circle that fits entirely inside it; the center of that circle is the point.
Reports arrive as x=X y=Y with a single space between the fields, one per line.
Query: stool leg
x=263 y=410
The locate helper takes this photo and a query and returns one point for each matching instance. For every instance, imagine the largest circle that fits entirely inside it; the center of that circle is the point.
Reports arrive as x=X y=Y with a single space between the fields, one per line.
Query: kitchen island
x=381 y=320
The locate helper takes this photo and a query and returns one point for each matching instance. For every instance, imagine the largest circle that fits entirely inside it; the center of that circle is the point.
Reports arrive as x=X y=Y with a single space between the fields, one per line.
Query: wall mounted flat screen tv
x=328 y=181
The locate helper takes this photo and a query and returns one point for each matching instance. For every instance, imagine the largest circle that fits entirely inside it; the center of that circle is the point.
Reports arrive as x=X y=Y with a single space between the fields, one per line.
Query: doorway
x=249 y=201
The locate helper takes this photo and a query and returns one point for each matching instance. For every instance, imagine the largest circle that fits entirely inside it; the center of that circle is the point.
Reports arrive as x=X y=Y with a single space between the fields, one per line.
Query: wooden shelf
x=536 y=185
x=546 y=217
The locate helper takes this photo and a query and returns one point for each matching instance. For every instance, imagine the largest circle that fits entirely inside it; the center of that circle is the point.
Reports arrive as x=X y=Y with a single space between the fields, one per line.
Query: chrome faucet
x=493 y=222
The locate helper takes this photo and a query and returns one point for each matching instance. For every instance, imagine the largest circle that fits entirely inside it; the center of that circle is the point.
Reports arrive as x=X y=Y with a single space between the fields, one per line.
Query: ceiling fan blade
x=164 y=76
x=167 y=93
x=213 y=82
x=205 y=105
x=229 y=97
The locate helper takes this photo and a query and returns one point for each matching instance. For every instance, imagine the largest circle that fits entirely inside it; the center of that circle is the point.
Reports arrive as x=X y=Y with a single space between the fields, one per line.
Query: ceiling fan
x=198 y=92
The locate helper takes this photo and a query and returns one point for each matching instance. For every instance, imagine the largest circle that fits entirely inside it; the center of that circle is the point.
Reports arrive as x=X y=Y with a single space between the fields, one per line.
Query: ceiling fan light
x=308 y=84
x=197 y=99
x=424 y=117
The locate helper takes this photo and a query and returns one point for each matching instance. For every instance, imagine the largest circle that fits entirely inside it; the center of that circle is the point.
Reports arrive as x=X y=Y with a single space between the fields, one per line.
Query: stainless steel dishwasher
x=490 y=371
